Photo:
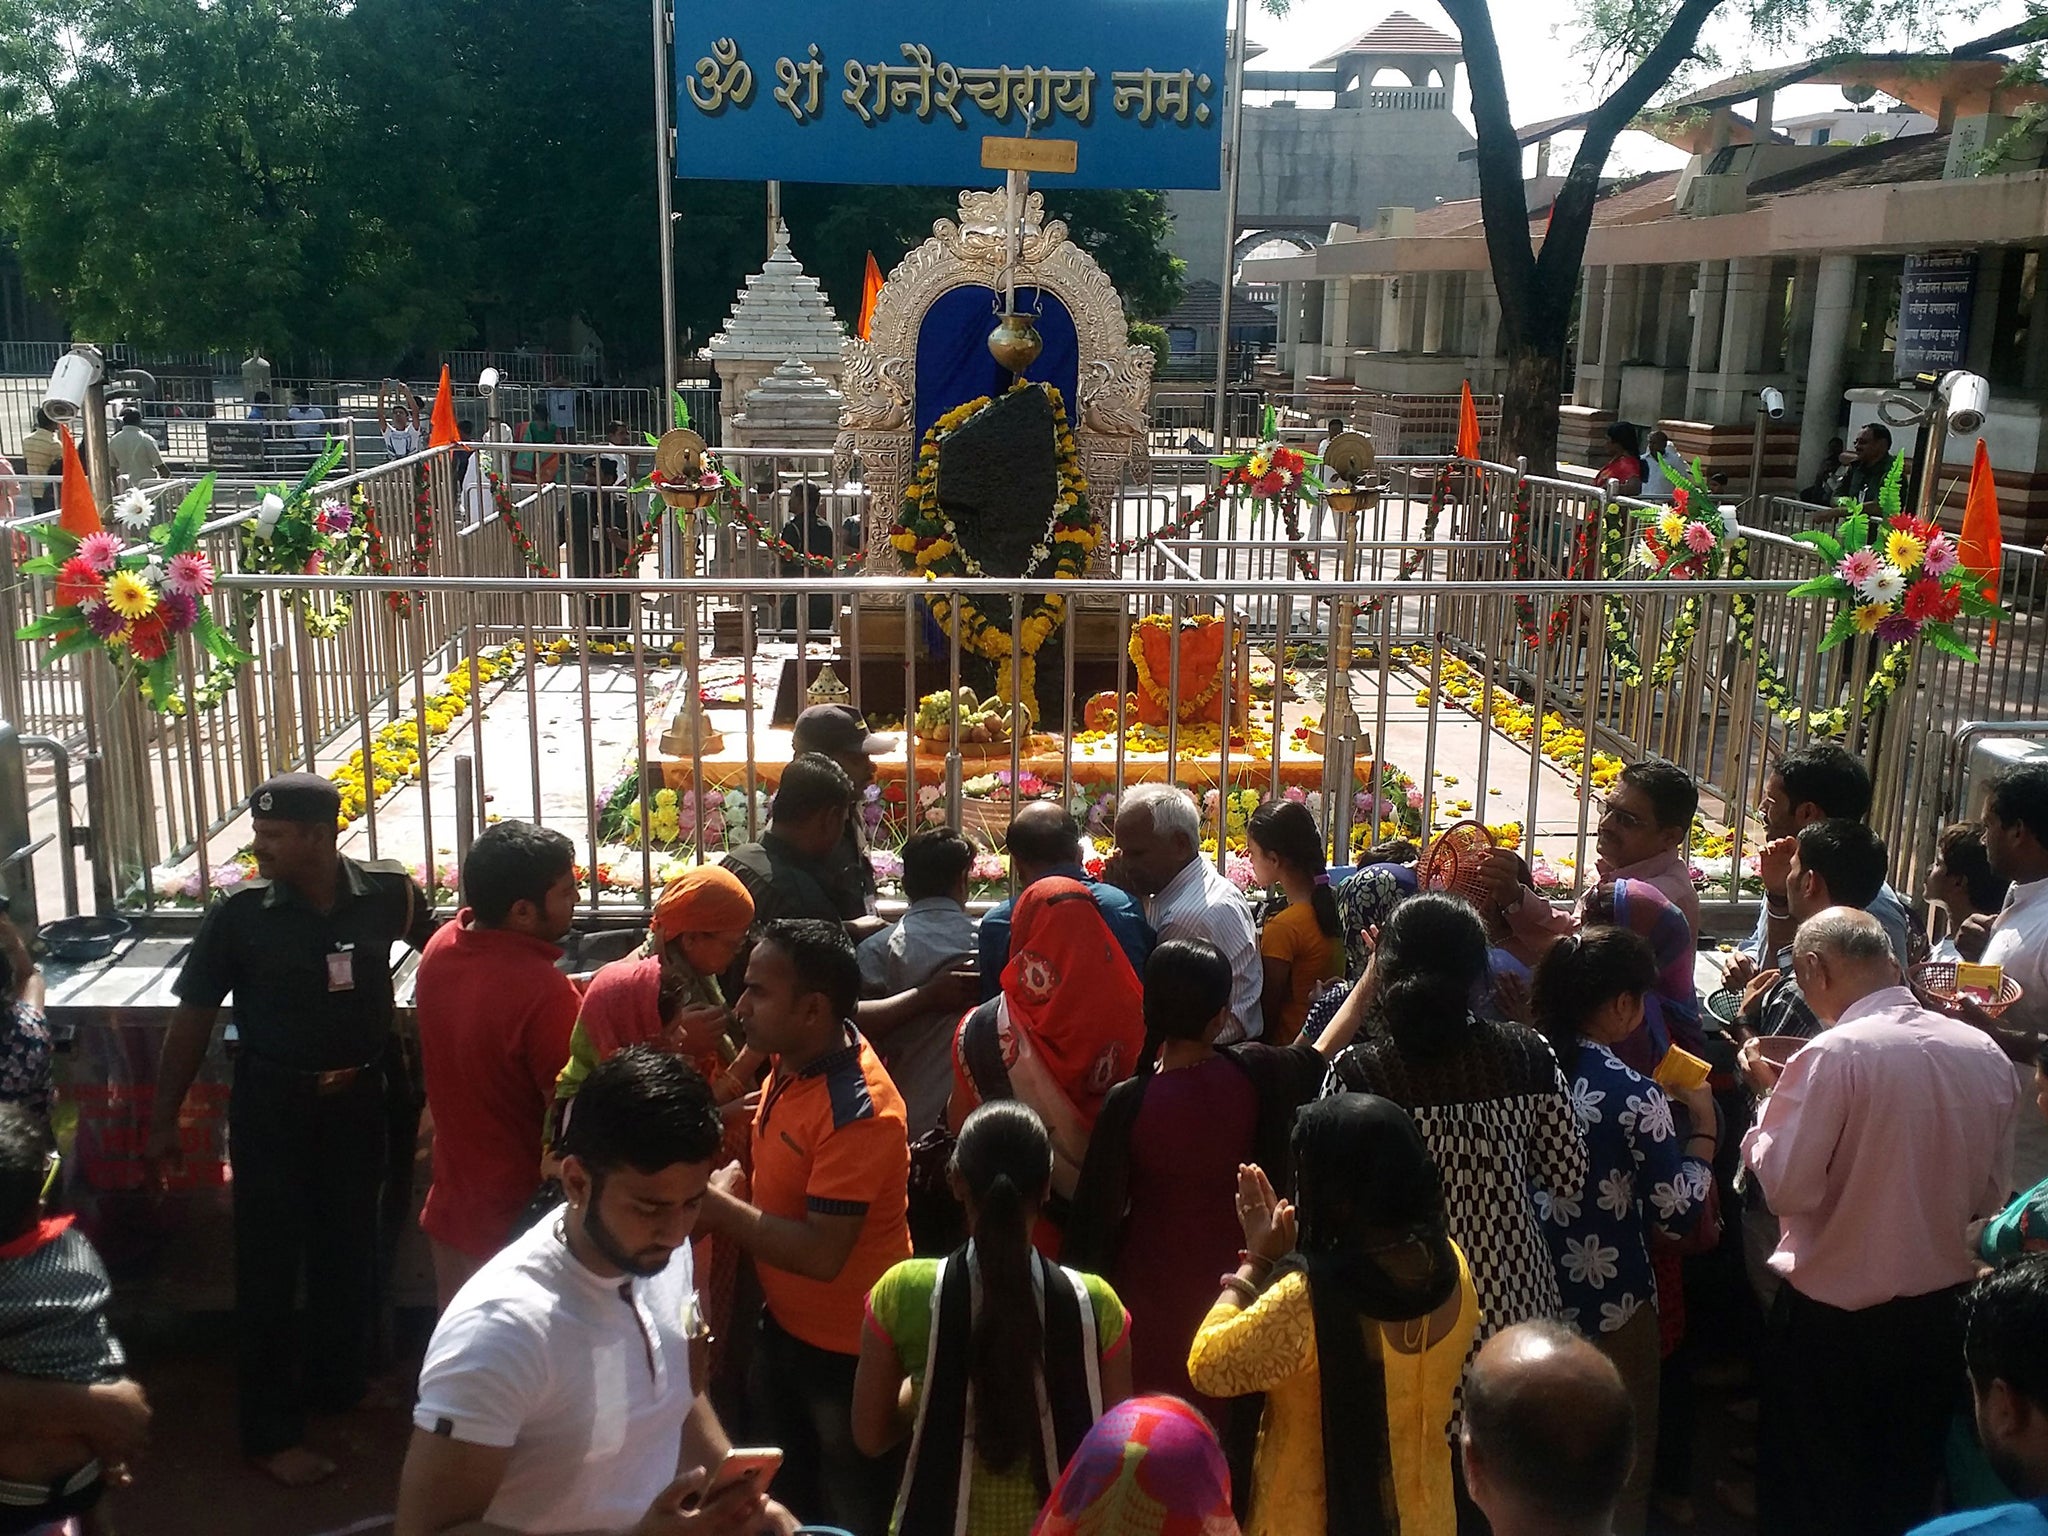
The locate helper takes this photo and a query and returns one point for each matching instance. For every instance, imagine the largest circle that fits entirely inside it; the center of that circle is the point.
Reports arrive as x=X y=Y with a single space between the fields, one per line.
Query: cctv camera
x=76 y=372
x=1774 y=403
x=1968 y=396
x=488 y=379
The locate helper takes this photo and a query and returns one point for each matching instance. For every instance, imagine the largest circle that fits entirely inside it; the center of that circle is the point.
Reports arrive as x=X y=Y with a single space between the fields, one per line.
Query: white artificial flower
x=1883 y=586
x=1588 y=1261
x=134 y=511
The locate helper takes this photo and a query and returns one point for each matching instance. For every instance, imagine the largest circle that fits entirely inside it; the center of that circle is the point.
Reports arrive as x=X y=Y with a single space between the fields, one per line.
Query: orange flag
x=444 y=430
x=1979 y=546
x=870 y=290
x=77 y=512
x=1468 y=423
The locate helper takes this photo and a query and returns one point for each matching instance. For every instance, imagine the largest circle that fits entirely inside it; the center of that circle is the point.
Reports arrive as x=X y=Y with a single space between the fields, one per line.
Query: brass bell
x=1015 y=343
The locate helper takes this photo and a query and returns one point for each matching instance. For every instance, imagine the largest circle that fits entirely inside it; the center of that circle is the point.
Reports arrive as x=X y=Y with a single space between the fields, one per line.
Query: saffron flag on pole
x=77 y=512
x=1468 y=423
x=1980 y=546
x=444 y=430
x=870 y=290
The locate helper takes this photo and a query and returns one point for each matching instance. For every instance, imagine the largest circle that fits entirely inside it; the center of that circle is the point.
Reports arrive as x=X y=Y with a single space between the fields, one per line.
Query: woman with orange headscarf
x=667 y=994
x=1067 y=1027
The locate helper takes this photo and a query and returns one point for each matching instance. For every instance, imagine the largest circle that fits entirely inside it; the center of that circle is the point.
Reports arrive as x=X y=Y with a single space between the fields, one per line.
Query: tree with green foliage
x=187 y=175
x=1637 y=48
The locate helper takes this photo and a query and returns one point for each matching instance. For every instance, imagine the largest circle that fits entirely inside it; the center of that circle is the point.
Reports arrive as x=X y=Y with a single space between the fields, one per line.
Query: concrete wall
x=1311 y=167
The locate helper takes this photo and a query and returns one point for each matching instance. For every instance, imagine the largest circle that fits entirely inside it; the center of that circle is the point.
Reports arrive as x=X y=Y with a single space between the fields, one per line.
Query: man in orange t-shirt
x=495 y=1015
x=828 y=1213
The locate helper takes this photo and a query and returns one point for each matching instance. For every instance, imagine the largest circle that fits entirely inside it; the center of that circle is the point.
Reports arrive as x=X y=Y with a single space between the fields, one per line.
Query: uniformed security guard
x=305 y=949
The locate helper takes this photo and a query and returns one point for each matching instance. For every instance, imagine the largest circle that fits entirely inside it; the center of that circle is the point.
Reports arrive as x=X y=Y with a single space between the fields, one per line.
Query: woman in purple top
x=1155 y=1209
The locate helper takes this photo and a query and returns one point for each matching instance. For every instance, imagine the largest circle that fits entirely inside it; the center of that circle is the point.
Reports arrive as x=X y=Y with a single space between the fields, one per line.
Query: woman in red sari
x=1067 y=1027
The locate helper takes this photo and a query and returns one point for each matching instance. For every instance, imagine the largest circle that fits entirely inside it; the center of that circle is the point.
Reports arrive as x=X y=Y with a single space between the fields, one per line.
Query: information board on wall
x=1935 y=298
x=904 y=93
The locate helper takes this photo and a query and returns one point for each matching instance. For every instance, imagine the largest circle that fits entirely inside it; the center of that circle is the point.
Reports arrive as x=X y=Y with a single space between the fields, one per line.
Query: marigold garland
x=1142 y=670
x=1520 y=538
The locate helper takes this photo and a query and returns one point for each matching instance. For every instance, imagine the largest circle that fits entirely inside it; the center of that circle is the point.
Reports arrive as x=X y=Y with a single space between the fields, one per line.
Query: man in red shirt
x=825 y=1216
x=494 y=1018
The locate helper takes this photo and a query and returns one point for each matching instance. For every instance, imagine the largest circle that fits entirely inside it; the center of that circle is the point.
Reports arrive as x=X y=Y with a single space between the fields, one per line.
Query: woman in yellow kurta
x=1357 y=1336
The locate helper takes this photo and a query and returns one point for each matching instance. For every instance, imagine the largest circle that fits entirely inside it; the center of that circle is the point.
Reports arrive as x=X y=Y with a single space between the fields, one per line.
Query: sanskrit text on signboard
x=1935 y=298
x=905 y=93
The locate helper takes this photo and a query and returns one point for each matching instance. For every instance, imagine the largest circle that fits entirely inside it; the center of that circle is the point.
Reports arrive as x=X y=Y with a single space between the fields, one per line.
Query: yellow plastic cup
x=1681 y=1070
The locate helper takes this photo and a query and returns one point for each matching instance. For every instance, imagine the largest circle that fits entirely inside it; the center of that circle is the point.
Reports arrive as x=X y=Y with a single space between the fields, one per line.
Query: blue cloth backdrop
x=953 y=362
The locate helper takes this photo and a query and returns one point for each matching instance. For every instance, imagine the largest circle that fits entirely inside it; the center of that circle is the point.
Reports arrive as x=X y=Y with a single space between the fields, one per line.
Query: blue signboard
x=904 y=92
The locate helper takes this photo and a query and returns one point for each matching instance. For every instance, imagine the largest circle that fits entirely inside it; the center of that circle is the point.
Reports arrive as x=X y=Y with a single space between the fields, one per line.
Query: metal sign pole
x=664 y=200
x=1233 y=146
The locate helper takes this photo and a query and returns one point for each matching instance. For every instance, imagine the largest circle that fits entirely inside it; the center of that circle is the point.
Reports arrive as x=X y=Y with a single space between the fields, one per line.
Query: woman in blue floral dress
x=1640 y=1175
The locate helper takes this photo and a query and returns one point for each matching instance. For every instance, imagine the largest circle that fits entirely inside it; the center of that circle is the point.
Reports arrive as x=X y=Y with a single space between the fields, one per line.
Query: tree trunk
x=1530 y=396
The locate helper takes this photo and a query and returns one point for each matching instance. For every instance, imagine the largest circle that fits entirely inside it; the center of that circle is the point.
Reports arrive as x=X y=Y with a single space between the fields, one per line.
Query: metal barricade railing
x=1442 y=619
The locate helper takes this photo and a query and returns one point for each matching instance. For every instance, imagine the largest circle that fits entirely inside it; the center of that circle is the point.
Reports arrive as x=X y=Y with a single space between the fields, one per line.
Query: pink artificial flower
x=1858 y=568
x=190 y=573
x=1414 y=799
x=101 y=551
x=1942 y=555
x=1699 y=538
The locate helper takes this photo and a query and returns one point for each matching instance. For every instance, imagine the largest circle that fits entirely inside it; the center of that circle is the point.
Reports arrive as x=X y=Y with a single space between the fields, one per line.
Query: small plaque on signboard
x=1051 y=155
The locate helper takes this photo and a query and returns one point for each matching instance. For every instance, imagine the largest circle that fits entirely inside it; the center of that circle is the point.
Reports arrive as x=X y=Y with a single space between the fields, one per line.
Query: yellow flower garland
x=928 y=544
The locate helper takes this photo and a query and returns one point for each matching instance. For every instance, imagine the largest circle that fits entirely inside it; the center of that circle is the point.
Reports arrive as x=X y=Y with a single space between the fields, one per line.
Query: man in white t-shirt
x=561 y=1391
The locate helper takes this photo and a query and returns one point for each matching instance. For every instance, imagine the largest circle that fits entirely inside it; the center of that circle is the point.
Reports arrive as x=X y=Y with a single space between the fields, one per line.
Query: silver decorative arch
x=877 y=422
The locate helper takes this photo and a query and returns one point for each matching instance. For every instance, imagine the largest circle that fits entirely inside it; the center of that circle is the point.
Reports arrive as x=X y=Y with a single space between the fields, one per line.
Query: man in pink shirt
x=1877 y=1144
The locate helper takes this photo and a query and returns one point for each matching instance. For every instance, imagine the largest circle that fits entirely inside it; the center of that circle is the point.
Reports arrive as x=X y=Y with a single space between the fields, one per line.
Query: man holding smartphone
x=561 y=1391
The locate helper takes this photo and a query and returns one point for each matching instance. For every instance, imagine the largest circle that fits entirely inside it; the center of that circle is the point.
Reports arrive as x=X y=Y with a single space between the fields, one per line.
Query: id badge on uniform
x=341 y=970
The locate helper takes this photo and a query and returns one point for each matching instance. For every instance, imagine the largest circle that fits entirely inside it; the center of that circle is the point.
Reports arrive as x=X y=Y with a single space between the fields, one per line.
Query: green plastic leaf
x=181 y=533
x=678 y=408
x=1943 y=638
x=1844 y=628
x=1978 y=605
x=39 y=565
x=217 y=641
x=60 y=543
x=1889 y=495
x=1826 y=543
x=1856 y=532
x=78 y=640
x=1821 y=586
x=48 y=624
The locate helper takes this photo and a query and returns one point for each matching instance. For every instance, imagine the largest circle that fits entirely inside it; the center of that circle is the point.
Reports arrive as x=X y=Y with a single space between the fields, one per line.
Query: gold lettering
x=804 y=78
x=912 y=81
x=1073 y=92
x=722 y=79
x=858 y=78
x=1167 y=95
